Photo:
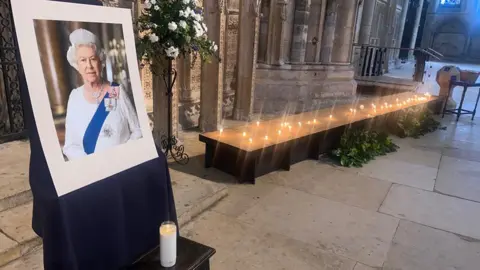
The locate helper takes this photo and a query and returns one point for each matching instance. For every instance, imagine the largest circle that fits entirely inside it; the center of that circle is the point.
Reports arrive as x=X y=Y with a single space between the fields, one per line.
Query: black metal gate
x=12 y=125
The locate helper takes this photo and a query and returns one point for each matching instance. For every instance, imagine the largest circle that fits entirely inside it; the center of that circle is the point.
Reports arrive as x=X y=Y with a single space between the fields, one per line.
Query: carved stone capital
x=283 y=9
x=256 y=7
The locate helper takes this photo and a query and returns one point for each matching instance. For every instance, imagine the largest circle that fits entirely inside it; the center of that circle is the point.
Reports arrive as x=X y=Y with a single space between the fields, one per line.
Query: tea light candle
x=290 y=128
x=168 y=244
x=221 y=130
x=314 y=121
x=362 y=107
x=258 y=123
x=279 y=132
x=244 y=134
x=266 y=138
x=300 y=123
x=330 y=116
x=250 y=140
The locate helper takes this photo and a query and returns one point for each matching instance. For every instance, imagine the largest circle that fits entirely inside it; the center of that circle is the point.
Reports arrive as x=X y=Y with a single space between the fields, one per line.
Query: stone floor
x=416 y=209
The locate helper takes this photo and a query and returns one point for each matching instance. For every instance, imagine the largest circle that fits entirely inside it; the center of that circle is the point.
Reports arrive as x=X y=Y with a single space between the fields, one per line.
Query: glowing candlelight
x=258 y=123
x=381 y=107
x=369 y=115
x=362 y=107
x=330 y=116
x=308 y=122
x=290 y=128
x=390 y=105
x=221 y=130
x=396 y=100
x=373 y=105
x=300 y=123
x=354 y=110
x=314 y=121
x=244 y=134
x=250 y=140
x=351 y=110
x=404 y=103
x=266 y=138
x=279 y=132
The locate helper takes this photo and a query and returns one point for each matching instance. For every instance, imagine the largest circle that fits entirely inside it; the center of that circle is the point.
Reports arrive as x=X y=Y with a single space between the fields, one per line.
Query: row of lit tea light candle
x=353 y=111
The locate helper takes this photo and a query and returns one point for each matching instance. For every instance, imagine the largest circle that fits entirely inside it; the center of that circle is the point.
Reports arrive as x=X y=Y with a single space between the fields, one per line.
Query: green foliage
x=358 y=147
x=415 y=122
x=169 y=28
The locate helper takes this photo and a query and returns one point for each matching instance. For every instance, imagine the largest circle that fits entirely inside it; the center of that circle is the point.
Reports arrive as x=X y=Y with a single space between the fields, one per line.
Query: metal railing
x=371 y=60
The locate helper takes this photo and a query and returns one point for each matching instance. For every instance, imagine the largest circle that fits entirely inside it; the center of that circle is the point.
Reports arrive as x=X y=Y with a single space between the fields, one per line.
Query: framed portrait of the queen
x=82 y=74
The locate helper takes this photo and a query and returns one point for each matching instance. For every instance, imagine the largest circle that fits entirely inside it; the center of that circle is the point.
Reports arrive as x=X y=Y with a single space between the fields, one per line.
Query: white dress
x=120 y=126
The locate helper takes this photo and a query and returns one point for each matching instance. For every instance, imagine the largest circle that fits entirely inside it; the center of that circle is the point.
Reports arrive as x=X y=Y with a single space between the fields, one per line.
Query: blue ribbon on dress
x=92 y=132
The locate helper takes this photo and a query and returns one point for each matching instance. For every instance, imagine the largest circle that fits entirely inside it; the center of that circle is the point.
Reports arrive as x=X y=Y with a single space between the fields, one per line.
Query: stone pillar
x=328 y=36
x=342 y=44
x=277 y=33
x=367 y=20
x=246 y=58
x=211 y=93
x=53 y=60
x=160 y=104
x=300 y=31
x=358 y=22
x=403 y=18
x=416 y=25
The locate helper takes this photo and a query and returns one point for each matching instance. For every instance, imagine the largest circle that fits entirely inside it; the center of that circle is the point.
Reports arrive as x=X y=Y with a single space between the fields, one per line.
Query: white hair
x=82 y=37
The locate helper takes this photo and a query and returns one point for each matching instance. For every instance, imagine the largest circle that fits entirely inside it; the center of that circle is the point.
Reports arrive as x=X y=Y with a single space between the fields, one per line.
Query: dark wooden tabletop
x=190 y=256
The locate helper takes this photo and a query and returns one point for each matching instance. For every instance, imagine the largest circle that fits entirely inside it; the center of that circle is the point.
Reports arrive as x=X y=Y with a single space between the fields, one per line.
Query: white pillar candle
x=168 y=244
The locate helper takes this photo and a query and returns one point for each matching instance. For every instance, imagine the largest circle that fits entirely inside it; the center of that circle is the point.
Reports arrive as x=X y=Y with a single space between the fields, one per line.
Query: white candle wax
x=168 y=244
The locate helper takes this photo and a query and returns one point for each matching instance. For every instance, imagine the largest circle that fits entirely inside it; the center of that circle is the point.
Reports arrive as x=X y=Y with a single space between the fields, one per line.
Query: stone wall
x=453 y=32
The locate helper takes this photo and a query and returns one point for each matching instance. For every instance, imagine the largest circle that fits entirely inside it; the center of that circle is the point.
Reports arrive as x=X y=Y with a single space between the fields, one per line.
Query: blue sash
x=90 y=137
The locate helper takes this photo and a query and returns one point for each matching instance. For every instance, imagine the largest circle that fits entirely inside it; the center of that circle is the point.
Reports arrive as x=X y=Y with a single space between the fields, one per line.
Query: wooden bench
x=261 y=147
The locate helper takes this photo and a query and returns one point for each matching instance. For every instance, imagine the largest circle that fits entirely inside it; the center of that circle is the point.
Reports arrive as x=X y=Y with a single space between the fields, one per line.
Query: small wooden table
x=460 y=110
x=191 y=256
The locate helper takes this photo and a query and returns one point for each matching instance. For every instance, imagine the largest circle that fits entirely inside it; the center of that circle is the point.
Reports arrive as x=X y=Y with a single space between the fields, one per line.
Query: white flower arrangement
x=169 y=28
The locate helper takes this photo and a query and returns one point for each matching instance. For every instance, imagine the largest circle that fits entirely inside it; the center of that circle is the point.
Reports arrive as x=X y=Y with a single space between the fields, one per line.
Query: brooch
x=107 y=131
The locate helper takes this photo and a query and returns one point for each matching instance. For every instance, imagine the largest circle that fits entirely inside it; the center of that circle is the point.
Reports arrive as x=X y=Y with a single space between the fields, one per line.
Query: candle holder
x=169 y=142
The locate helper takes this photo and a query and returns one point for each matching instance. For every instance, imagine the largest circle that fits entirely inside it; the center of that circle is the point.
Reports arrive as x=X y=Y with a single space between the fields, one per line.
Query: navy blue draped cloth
x=105 y=225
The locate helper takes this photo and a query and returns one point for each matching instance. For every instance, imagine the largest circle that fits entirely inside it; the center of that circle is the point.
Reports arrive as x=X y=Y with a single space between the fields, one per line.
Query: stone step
x=16 y=235
x=14 y=186
x=193 y=196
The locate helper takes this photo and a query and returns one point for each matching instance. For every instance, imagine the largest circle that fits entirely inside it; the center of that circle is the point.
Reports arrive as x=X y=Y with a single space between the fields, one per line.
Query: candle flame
x=250 y=140
x=279 y=132
x=244 y=134
x=221 y=130
x=314 y=121
x=331 y=116
x=258 y=123
x=300 y=123
x=266 y=137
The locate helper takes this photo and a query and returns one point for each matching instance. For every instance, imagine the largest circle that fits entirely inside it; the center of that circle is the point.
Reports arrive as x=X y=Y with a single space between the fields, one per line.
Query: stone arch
x=450 y=37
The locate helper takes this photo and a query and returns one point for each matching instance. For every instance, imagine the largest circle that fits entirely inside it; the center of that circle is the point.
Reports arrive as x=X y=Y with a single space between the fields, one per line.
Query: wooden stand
x=191 y=256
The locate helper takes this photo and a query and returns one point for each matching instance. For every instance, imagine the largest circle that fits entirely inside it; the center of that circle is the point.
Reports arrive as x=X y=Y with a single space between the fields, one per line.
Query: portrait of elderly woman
x=86 y=74
x=99 y=113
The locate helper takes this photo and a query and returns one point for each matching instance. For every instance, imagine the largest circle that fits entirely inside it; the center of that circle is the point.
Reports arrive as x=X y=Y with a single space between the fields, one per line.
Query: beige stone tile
x=6 y=243
x=305 y=170
x=348 y=231
x=243 y=247
x=17 y=223
x=241 y=197
x=32 y=261
x=433 y=209
x=400 y=172
x=346 y=187
x=460 y=178
x=360 y=266
x=415 y=156
x=419 y=247
x=467 y=154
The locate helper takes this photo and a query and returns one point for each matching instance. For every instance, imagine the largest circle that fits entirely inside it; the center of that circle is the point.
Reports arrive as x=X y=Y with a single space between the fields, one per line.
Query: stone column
x=211 y=93
x=300 y=31
x=416 y=25
x=345 y=23
x=328 y=36
x=358 y=22
x=277 y=33
x=403 y=18
x=367 y=20
x=246 y=58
